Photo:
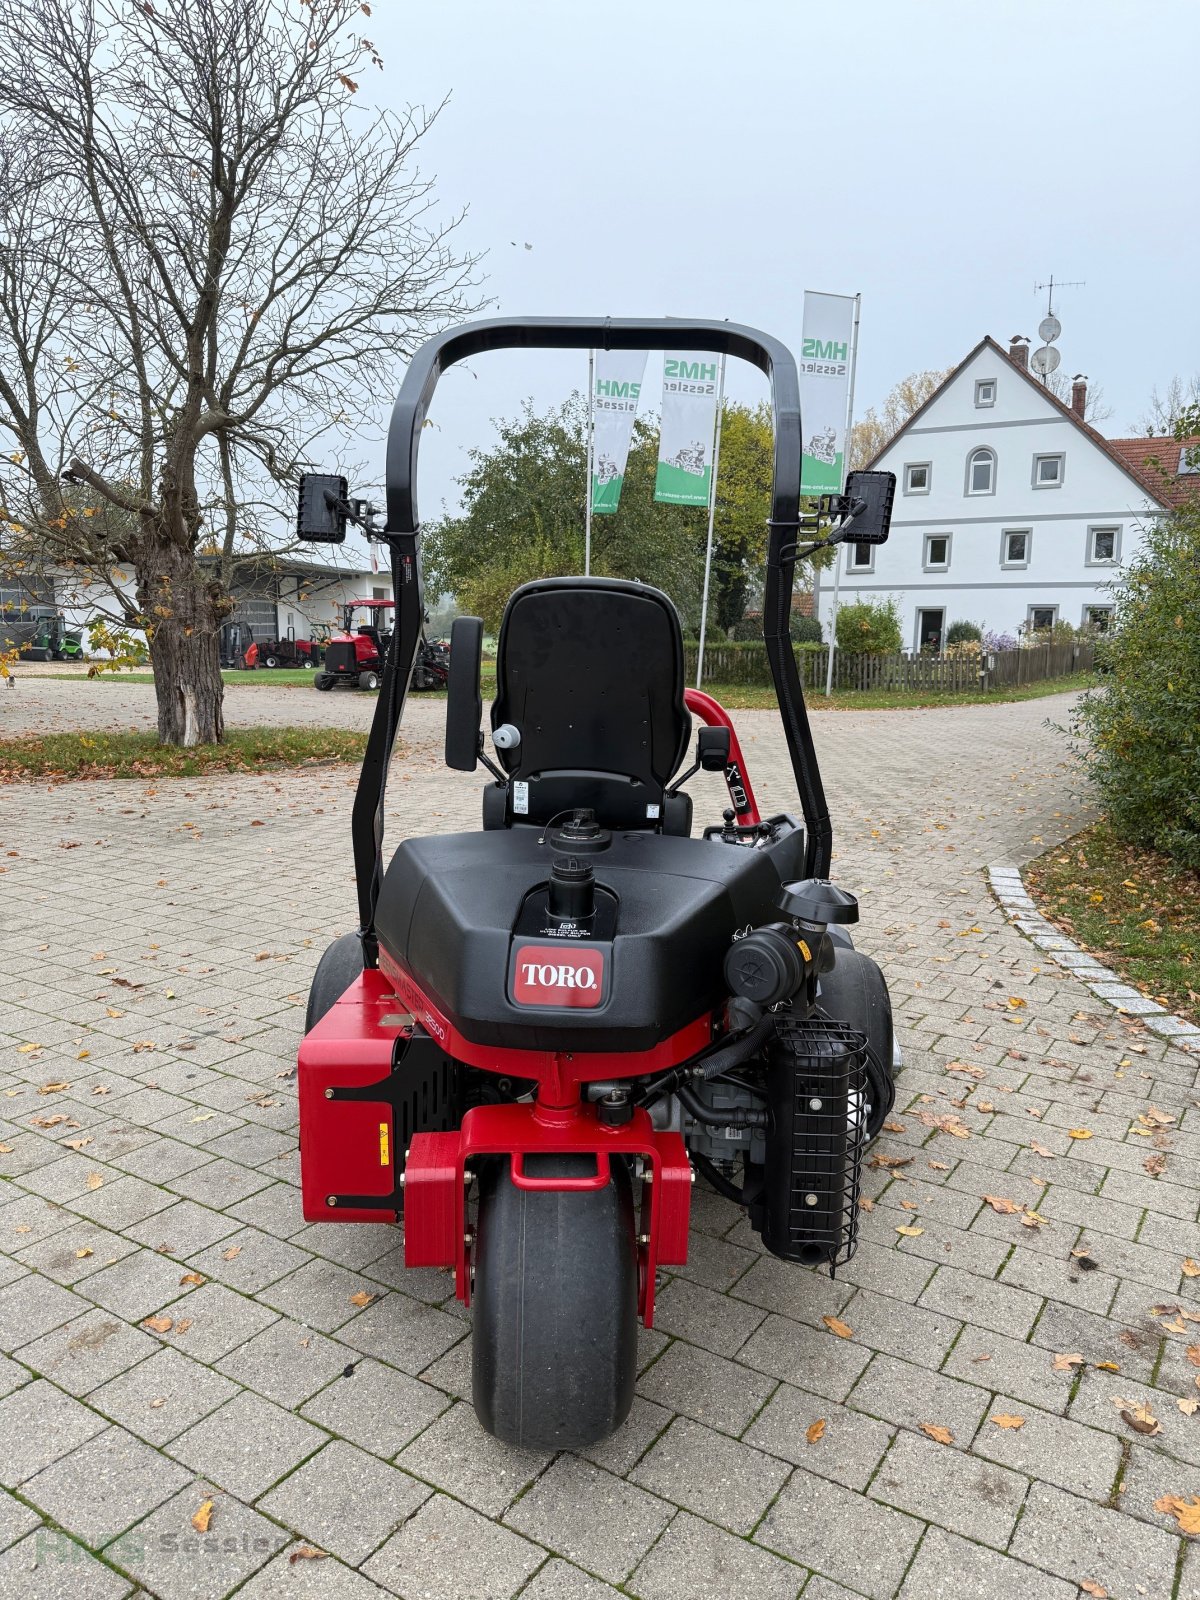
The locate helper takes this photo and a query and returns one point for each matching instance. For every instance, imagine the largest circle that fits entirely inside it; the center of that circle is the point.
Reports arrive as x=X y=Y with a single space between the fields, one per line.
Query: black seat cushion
x=590 y=670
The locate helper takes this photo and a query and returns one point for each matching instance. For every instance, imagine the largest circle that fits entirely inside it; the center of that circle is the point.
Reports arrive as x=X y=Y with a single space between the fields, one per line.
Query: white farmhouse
x=1011 y=511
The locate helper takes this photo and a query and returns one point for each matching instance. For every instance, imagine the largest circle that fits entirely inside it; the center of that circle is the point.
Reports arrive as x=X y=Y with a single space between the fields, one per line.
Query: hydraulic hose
x=737 y=1050
x=730 y=1117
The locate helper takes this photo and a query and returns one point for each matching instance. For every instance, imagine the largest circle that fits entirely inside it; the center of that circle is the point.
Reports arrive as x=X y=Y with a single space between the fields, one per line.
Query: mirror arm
x=500 y=776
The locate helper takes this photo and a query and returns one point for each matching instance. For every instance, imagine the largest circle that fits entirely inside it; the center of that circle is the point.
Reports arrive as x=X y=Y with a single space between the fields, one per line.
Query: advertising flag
x=824 y=385
x=685 y=441
x=617 y=387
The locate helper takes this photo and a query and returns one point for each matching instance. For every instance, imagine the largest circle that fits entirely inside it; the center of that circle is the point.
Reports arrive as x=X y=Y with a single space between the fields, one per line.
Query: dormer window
x=985 y=392
x=981 y=472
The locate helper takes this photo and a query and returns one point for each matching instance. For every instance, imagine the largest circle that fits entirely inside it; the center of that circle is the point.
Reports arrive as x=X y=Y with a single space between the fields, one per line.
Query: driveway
x=1005 y=1405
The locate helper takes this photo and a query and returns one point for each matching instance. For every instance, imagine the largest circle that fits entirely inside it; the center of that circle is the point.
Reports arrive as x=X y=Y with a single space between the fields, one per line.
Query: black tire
x=271 y=661
x=856 y=992
x=323 y=680
x=336 y=971
x=368 y=680
x=555 y=1306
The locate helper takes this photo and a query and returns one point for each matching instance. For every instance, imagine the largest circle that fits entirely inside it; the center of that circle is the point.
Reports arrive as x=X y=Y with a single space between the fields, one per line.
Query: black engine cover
x=461 y=912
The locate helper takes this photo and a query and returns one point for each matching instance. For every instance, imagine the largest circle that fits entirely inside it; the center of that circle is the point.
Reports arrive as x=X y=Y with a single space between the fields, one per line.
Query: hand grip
x=597 y=1180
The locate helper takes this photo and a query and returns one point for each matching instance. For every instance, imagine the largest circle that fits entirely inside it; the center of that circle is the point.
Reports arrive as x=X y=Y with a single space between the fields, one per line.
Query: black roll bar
x=402 y=533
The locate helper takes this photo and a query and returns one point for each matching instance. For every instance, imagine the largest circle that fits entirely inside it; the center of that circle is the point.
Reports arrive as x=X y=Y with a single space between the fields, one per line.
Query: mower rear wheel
x=855 y=992
x=323 y=680
x=555 y=1301
x=336 y=971
x=368 y=680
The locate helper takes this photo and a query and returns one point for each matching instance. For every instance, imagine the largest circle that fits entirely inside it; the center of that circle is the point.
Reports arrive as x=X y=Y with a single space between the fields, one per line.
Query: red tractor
x=546 y=1028
x=354 y=656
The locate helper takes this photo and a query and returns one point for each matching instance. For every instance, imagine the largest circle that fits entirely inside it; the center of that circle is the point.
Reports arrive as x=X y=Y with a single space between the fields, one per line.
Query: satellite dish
x=1049 y=328
x=1044 y=360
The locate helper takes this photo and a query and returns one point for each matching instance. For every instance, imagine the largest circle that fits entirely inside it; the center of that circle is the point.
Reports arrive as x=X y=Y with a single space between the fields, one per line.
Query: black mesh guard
x=817 y=1089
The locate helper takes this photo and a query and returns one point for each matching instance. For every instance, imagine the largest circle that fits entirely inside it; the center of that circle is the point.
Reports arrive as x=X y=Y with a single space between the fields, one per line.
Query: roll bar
x=402 y=532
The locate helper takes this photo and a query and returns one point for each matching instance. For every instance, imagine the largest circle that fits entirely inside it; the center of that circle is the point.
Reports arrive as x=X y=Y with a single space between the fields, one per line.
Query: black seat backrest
x=590 y=671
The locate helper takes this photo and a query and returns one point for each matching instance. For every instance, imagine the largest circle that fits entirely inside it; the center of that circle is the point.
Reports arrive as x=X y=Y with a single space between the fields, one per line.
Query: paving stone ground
x=172 y=1331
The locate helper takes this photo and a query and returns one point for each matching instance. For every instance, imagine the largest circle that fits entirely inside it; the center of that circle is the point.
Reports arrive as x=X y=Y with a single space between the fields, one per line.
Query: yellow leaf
x=1005 y=1421
x=911 y=1233
x=202 y=1518
x=836 y=1325
x=362 y=1298
x=27 y=1050
x=1079 y=1133
x=83 y=1055
x=937 y=1432
x=1107 y=1366
x=160 y=1324
x=81 y=1255
x=1016 y=1002
x=1064 y=1363
x=54 y=1088
x=1185 y=1512
x=815 y=1430
x=95 y=1180
x=191 y=1277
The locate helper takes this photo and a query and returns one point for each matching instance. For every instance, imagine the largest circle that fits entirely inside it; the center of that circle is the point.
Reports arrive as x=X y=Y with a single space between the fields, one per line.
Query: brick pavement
x=171 y=1331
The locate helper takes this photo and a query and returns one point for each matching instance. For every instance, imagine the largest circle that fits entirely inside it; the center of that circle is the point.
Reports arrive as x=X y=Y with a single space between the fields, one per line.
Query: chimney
x=1018 y=349
x=1079 y=395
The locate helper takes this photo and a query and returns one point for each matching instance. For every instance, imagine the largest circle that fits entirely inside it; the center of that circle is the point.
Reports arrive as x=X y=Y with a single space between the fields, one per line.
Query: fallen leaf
x=889 y=1162
x=54 y=1088
x=1138 y=1416
x=1190 y=1406
x=157 y=1405
x=304 y=1552
x=815 y=1430
x=1193 y=1354
x=1040 y=1150
x=1005 y=1421
x=6 y=1149
x=865 y=1203
x=47 y=1122
x=232 y=1253
x=1185 y=1512
x=183 y=1324
x=937 y=1432
x=27 y=1050
x=911 y=1233
x=1079 y=1133
x=191 y=1277
x=895 y=1127
x=1107 y=1366
x=1016 y=1002
x=1006 y=1207
x=1096 y=1590
x=836 y=1325
x=202 y=1518
x=159 y=1324
x=1033 y=1219
x=938 y=1166
x=81 y=1255
x=1191 y=1269
x=1064 y=1363
x=1155 y=1165
x=362 y=1298
x=95 y=1180
x=83 y=1055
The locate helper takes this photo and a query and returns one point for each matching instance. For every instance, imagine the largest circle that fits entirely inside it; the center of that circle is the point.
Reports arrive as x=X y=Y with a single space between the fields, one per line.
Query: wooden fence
x=747 y=664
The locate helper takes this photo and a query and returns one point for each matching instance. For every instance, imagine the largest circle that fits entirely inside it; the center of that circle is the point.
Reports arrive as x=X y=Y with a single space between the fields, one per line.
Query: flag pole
x=712 y=512
x=591 y=433
x=837 y=549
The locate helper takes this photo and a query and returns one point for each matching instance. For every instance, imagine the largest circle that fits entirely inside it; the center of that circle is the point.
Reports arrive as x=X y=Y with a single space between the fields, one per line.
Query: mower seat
x=590 y=673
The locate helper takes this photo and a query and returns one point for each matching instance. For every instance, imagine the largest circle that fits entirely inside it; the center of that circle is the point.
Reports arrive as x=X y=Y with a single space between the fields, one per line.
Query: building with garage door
x=1011 y=511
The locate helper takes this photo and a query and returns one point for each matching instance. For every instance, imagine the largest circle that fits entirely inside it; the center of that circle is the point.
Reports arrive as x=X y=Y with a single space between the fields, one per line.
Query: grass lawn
x=734 y=696
x=139 y=755
x=1137 y=910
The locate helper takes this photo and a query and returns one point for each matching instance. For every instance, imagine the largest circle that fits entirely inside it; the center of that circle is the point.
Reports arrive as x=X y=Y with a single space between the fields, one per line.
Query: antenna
x=1045 y=359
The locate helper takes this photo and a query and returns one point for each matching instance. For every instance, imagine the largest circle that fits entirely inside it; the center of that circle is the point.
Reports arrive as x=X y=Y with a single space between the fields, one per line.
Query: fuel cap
x=818 y=900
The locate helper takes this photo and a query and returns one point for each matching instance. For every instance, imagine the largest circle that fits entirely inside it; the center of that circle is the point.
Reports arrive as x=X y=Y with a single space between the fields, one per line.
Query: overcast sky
x=689 y=158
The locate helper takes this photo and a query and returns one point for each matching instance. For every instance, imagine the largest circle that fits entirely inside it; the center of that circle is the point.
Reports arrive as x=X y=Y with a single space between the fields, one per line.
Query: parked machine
x=284 y=653
x=40 y=633
x=545 y=1029
x=354 y=655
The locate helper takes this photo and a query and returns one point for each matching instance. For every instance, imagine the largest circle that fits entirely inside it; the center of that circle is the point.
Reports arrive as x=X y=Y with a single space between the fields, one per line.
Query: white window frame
x=927 y=564
x=1049 y=455
x=1085 y=620
x=1005 y=563
x=917 y=627
x=1185 y=465
x=852 y=568
x=979 y=450
x=909 y=468
x=1092 y=559
x=1029 y=626
x=982 y=384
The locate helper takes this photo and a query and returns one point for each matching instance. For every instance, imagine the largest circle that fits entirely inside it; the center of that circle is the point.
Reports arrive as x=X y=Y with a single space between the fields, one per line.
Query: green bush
x=869 y=627
x=963 y=633
x=747 y=630
x=1142 y=720
x=805 y=630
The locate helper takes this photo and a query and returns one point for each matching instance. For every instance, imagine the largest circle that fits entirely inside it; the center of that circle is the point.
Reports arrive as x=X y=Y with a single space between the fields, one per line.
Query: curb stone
x=1009 y=889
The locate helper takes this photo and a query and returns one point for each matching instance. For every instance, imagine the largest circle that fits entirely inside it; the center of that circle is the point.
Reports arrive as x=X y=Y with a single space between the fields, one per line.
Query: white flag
x=824 y=386
x=685 y=441
x=616 y=390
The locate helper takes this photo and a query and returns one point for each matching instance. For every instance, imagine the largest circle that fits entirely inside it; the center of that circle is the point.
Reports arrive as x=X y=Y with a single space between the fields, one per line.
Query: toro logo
x=554 y=975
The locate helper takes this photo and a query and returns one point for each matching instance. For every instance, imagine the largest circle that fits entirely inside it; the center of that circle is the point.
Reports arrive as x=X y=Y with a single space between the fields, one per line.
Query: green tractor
x=49 y=638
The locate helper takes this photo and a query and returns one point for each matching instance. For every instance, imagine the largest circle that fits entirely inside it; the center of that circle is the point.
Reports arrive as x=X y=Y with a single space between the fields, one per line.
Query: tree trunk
x=183 y=611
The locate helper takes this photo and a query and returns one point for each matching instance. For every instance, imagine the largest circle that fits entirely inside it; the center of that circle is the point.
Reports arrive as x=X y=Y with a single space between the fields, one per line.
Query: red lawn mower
x=546 y=1028
x=354 y=657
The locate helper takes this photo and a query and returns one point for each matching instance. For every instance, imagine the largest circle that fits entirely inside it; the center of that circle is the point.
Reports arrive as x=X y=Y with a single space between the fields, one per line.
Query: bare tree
x=1177 y=402
x=1095 y=408
x=208 y=257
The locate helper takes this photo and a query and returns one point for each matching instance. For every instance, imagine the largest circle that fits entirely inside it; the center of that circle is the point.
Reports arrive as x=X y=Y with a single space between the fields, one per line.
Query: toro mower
x=354 y=656
x=545 y=1029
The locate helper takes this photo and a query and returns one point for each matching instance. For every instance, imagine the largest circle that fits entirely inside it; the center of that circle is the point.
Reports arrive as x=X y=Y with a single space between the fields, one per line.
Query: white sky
x=690 y=158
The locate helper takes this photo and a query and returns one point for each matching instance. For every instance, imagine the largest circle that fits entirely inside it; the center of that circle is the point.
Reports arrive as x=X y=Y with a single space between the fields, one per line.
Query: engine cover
x=466 y=915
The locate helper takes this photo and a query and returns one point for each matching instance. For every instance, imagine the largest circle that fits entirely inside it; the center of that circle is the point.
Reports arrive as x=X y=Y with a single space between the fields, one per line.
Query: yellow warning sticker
x=383 y=1144
x=803 y=949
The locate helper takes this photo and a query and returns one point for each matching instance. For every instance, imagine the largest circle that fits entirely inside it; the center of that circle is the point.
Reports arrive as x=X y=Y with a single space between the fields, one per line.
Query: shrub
x=998 y=641
x=869 y=627
x=964 y=650
x=1143 y=719
x=805 y=630
x=961 y=632
x=747 y=630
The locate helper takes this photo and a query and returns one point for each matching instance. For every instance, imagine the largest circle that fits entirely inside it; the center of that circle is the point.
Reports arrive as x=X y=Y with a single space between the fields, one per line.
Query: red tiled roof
x=1156 y=462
